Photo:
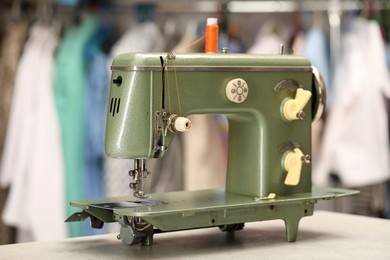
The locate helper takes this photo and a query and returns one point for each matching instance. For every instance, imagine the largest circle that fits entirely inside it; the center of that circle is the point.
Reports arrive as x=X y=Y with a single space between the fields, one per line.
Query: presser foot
x=139 y=174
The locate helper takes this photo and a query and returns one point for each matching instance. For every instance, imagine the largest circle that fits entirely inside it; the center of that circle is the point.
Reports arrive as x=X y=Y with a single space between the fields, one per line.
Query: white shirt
x=32 y=162
x=355 y=144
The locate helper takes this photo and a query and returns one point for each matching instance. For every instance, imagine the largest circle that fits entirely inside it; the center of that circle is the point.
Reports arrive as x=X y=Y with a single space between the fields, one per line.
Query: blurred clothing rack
x=244 y=6
x=237 y=6
x=264 y=6
x=304 y=5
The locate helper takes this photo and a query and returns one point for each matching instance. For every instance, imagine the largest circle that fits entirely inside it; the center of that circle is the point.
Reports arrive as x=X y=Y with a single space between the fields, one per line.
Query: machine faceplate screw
x=301 y=115
x=306 y=159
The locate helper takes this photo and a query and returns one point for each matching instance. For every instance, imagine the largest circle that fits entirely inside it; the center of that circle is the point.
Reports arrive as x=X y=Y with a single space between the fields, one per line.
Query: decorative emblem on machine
x=237 y=90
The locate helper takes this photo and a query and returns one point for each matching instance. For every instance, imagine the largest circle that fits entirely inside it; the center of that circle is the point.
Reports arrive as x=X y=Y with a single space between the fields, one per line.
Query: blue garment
x=317 y=51
x=69 y=2
x=95 y=107
x=233 y=45
x=96 y=100
x=388 y=55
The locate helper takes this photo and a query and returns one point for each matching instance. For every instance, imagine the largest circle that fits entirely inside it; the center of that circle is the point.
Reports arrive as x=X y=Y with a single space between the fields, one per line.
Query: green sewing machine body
x=270 y=103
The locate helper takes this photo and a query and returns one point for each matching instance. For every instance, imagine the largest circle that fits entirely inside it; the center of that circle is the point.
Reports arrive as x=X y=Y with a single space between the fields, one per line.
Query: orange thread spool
x=211 y=45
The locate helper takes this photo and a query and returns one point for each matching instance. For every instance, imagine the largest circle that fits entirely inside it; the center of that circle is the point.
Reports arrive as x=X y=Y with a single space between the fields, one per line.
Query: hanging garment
x=204 y=156
x=316 y=51
x=355 y=143
x=96 y=99
x=70 y=89
x=32 y=163
x=298 y=44
x=270 y=44
x=12 y=42
x=388 y=121
x=314 y=47
x=190 y=36
x=231 y=39
x=144 y=37
x=97 y=83
x=269 y=38
x=11 y=50
x=167 y=172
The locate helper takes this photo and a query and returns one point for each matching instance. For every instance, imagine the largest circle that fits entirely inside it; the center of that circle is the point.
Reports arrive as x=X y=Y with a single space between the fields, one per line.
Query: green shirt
x=70 y=88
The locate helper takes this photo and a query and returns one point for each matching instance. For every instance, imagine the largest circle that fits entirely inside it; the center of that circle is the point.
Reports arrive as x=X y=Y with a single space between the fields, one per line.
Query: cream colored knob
x=181 y=124
x=293 y=108
x=237 y=90
x=292 y=163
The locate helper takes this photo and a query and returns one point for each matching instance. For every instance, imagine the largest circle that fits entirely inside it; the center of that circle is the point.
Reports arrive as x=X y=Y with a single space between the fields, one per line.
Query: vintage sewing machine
x=270 y=103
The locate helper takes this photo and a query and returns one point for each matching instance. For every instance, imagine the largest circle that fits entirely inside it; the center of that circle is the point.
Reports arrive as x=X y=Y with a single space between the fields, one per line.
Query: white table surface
x=326 y=235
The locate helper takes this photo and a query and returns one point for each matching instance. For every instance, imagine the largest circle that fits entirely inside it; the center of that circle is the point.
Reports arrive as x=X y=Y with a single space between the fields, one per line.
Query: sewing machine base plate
x=172 y=211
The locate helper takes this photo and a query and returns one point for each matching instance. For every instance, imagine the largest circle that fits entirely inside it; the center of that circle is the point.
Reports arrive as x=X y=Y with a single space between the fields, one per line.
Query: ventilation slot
x=114 y=106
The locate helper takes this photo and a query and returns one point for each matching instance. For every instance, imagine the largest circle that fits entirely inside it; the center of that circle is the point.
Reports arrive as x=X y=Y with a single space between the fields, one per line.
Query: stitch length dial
x=237 y=90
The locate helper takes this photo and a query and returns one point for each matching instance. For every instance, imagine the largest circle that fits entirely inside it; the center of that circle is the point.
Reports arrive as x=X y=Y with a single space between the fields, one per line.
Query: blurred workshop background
x=55 y=60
